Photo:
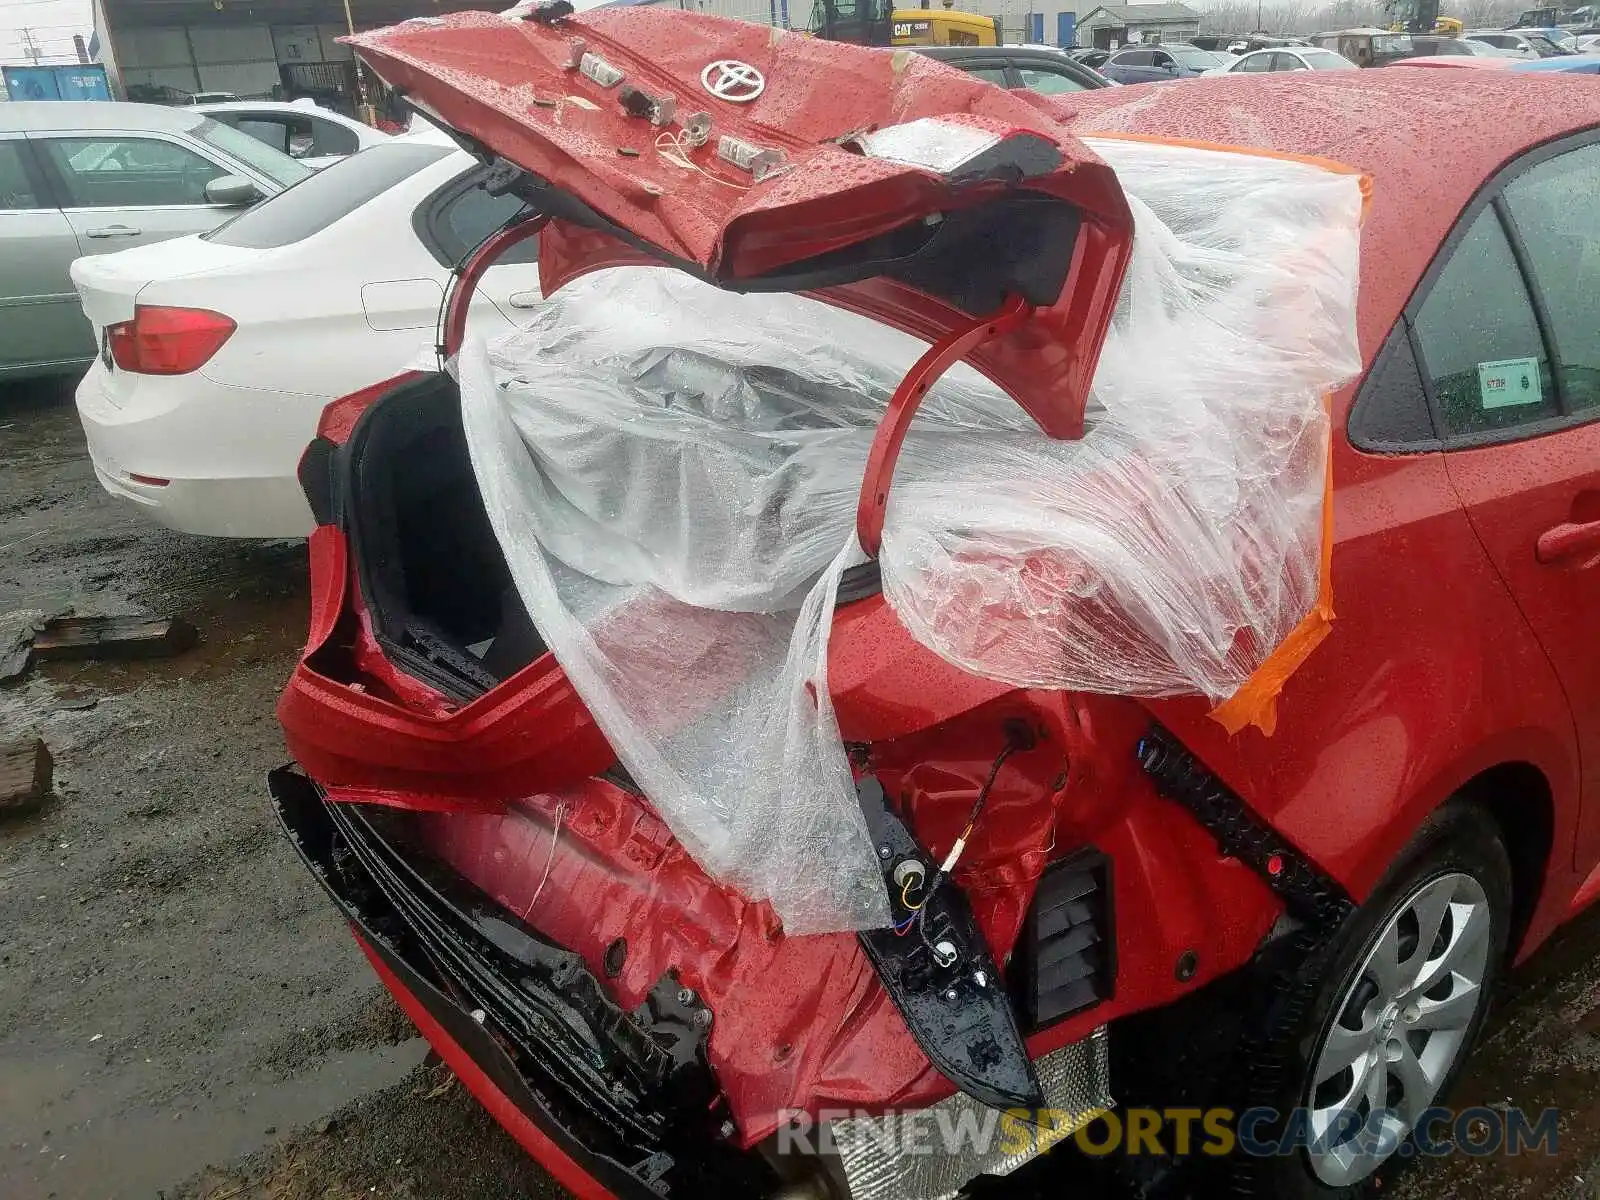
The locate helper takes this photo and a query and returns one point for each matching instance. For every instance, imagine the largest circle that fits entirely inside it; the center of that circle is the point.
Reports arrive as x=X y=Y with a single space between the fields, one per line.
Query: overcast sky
x=53 y=23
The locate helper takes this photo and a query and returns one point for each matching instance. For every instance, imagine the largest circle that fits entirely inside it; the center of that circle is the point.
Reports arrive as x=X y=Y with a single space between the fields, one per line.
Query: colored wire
x=949 y=864
x=676 y=153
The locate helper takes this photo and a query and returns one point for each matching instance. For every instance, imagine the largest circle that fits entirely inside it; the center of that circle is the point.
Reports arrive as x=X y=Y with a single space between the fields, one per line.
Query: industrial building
x=160 y=49
x=1116 y=25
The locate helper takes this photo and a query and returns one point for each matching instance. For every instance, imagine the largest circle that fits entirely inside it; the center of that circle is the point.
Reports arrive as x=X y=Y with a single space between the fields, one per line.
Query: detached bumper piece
x=886 y=1158
x=1306 y=890
x=625 y=1095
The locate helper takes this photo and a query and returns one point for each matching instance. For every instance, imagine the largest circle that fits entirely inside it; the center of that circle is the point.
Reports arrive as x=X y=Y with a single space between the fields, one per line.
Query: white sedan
x=303 y=129
x=218 y=353
x=1287 y=58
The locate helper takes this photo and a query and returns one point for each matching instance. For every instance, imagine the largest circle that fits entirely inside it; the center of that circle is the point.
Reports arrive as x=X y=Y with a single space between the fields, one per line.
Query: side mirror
x=1170 y=67
x=232 y=191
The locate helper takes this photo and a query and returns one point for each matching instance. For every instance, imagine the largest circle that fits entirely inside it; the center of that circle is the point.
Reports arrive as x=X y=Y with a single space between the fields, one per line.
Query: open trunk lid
x=764 y=160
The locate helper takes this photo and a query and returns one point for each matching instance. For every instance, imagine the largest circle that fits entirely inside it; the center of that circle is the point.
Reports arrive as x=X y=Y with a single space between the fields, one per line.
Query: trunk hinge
x=891 y=434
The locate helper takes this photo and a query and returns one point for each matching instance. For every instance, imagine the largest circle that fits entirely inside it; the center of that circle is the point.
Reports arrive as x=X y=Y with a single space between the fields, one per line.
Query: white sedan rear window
x=319 y=201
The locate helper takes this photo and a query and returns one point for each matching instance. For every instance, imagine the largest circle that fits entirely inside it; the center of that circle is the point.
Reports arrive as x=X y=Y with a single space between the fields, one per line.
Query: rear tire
x=1395 y=1013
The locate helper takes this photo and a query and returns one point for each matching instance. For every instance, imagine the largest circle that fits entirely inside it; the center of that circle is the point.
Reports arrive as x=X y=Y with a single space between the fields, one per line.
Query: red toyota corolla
x=1154 y=908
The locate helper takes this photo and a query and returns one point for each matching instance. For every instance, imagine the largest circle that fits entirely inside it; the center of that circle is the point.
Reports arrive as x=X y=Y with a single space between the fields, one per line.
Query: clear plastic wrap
x=673 y=473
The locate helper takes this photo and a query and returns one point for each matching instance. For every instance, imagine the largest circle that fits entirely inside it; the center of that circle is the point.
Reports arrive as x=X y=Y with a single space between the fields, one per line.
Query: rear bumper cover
x=230 y=476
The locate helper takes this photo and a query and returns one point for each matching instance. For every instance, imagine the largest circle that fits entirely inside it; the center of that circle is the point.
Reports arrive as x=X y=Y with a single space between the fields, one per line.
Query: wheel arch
x=1518 y=796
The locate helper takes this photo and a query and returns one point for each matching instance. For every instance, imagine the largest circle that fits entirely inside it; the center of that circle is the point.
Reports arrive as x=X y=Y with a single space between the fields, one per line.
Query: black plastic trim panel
x=625 y=1095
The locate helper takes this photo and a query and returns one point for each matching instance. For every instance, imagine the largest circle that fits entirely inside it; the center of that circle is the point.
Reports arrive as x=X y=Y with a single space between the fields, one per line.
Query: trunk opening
x=431 y=571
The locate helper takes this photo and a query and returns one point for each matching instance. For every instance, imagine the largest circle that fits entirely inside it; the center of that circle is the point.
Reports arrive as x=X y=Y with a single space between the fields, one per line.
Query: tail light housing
x=168 y=341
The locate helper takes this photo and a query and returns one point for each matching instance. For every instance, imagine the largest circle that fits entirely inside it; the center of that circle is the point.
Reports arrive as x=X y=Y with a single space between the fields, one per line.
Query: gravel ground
x=181 y=1012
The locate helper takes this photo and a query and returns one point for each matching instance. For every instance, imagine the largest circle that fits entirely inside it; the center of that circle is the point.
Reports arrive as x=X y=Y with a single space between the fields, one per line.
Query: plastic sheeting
x=673 y=473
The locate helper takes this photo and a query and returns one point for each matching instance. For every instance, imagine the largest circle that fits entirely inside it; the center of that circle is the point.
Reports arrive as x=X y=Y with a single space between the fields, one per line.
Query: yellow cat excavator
x=878 y=23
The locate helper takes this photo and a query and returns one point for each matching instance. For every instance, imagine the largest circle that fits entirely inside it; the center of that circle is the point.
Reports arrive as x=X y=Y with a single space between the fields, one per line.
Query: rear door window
x=120 y=171
x=323 y=198
x=1286 y=62
x=17 y=188
x=1255 y=63
x=1553 y=206
x=1480 y=340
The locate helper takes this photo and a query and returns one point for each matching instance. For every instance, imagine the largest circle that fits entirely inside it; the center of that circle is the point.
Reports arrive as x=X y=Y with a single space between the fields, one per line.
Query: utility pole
x=30 y=47
x=364 y=109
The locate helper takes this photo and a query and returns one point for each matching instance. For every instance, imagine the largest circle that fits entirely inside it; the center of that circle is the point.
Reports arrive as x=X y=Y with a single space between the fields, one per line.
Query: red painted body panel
x=1431 y=675
x=1514 y=496
x=803 y=1023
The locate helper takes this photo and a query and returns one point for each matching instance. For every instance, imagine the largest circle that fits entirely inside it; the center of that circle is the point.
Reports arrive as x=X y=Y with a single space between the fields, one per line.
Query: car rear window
x=317 y=202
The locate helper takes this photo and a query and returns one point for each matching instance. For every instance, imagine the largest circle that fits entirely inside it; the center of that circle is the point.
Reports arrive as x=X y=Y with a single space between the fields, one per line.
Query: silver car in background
x=81 y=178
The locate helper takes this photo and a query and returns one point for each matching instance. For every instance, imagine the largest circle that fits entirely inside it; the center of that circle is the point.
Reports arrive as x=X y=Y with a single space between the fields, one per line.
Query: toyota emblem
x=730 y=79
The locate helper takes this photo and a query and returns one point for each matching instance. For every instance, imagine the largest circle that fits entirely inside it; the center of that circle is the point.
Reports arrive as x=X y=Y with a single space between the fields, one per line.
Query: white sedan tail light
x=167 y=341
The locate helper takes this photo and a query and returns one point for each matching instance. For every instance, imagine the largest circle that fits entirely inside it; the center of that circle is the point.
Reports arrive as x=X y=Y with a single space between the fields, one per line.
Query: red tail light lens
x=168 y=341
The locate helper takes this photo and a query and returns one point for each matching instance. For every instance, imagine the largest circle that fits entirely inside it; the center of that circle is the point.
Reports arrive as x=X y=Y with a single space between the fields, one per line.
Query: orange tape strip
x=1256 y=701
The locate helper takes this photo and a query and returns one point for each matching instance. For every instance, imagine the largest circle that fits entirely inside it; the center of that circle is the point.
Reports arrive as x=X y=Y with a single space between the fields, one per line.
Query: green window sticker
x=1507 y=382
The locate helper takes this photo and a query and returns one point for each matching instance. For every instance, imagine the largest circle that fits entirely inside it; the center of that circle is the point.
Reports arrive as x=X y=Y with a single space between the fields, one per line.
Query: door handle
x=1567 y=540
x=526 y=299
x=113 y=231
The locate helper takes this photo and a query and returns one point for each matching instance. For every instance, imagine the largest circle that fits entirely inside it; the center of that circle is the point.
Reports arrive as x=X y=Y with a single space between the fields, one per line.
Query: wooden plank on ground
x=25 y=772
x=113 y=637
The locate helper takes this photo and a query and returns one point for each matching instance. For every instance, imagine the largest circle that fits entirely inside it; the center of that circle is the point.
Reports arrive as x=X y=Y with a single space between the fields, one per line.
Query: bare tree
x=1290 y=17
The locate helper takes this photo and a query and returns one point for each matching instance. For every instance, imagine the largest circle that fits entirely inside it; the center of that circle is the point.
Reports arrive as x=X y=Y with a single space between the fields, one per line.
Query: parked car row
x=210 y=357
x=88 y=179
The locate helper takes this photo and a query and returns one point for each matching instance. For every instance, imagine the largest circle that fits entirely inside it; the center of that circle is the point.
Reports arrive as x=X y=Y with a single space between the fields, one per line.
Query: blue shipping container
x=79 y=81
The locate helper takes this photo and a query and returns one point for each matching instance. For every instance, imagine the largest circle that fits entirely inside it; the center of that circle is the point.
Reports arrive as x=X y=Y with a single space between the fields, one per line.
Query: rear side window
x=274 y=164
x=330 y=137
x=994 y=75
x=286 y=136
x=456 y=219
x=1479 y=338
x=1554 y=207
x=319 y=201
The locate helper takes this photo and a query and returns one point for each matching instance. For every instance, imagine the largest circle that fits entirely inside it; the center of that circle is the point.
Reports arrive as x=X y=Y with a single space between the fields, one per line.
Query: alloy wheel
x=1398 y=1026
